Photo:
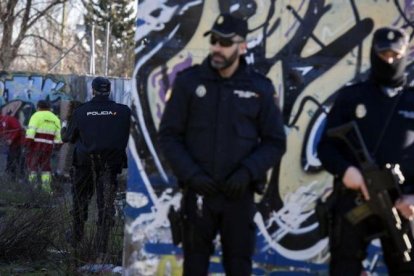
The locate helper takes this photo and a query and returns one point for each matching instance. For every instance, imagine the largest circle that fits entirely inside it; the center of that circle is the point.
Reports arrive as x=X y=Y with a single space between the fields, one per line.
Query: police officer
x=220 y=132
x=100 y=130
x=382 y=107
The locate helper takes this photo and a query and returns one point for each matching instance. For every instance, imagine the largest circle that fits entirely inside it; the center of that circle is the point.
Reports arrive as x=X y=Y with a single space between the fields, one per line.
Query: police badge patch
x=201 y=91
x=360 y=111
x=390 y=35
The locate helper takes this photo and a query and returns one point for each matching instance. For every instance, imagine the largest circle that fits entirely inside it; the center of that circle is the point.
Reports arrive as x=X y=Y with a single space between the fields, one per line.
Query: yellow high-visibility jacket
x=44 y=127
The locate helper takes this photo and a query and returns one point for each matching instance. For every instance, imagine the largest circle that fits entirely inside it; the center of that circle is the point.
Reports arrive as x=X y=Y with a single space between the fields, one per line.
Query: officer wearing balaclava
x=383 y=109
x=389 y=59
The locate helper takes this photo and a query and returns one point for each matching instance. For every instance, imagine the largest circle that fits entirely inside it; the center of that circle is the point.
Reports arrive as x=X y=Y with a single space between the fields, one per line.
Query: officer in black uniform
x=383 y=108
x=100 y=130
x=221 y=131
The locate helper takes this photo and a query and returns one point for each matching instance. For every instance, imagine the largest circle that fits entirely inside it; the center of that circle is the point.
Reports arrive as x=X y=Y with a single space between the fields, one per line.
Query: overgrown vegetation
x=34 y=231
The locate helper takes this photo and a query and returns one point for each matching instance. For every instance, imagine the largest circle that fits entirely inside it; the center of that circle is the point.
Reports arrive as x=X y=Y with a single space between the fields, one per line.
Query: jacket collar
x=101 y=99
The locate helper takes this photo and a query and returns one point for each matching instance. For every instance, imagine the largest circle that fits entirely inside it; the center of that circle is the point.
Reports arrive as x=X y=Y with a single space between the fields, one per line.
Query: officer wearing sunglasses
x=221 y=131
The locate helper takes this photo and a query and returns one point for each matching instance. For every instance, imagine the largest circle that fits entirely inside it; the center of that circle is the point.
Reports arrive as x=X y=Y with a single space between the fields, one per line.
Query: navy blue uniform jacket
x=99 y=126
x=369 y=107
x=215 y=125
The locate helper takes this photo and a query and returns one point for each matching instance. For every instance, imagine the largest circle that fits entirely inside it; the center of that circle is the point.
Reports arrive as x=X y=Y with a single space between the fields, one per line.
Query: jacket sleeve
x=172 y=133
x=15 y=130
x=127 y=126
x=58 y=137
x=272 y=144
x=71 y=132
x=329 y=149
x=32 y=126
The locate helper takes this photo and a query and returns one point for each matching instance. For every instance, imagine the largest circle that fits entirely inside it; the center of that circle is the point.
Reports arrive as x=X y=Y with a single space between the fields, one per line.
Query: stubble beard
x=225 y=62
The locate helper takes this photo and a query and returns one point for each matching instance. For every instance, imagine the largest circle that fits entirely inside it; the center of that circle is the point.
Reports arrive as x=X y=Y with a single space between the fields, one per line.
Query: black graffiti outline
x=169 y=50
x=310 y=77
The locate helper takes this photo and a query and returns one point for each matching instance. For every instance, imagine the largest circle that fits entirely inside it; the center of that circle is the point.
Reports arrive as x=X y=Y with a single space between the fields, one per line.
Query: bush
x=34 y=228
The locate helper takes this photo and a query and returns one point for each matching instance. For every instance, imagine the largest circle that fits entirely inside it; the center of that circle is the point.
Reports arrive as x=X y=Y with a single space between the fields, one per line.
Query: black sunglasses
x=222 y=41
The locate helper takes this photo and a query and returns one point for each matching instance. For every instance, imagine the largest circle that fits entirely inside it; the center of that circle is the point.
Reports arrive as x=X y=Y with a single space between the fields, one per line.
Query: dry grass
x=33 y=229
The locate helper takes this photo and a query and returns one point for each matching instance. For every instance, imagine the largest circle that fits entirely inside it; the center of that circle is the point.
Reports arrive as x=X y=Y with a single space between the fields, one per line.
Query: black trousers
x=348 y=245
x=232 y=219
x=14 y=165
x=101 y=177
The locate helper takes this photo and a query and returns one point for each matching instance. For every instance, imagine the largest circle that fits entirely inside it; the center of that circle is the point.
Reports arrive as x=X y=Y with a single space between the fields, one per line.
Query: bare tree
x=17 y=21
x=59 y=50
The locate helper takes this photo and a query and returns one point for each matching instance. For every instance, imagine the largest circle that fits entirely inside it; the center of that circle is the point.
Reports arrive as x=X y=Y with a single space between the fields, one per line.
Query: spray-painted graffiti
x=20 y=92
x=31 y=87
x=309 y=49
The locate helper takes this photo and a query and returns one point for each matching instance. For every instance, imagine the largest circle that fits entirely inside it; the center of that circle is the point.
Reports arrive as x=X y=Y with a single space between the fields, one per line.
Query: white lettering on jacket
x=100 y=113
x=245 y=94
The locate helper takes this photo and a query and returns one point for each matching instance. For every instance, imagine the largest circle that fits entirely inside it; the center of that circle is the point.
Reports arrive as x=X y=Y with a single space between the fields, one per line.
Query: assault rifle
x=382 y=185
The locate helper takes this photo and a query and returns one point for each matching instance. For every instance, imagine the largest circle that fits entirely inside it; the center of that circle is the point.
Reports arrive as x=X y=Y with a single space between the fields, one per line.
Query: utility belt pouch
x=176 y=225
x=324 y=214
x=176 y=218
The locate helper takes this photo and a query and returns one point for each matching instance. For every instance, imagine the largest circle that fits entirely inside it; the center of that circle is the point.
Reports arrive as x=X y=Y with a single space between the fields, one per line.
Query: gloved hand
x=202 y=184
x=237 y=184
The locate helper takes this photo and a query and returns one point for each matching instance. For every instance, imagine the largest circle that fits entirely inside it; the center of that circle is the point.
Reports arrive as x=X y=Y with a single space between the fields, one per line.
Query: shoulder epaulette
x=186 y=70
x=259 y=74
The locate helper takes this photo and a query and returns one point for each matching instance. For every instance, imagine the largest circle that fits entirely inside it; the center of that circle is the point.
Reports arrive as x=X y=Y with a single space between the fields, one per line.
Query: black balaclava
x=389 y=39
x=385 y=74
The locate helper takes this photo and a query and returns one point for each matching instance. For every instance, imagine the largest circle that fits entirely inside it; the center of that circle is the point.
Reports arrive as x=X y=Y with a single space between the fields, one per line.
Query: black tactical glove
x=237 y=184
x=202 y=185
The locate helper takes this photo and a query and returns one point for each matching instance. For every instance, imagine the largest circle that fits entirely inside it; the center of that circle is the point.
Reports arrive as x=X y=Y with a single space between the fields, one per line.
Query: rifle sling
x=387 y=122
x=359 y=213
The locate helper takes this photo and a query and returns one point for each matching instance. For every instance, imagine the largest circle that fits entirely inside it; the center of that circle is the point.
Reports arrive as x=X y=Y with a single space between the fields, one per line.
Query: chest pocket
x=247 y=105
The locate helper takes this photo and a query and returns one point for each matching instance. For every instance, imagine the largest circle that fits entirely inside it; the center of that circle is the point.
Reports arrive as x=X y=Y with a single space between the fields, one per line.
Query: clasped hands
x=354 y=180
x=233 y=187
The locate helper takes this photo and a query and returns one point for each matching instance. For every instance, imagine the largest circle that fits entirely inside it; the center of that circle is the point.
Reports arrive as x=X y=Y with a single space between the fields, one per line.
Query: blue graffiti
x=32 y=89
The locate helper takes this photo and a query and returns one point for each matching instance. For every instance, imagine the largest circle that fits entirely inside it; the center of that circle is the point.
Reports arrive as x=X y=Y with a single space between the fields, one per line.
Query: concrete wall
x=28 y=88
x=20 y=92
x=309 y=49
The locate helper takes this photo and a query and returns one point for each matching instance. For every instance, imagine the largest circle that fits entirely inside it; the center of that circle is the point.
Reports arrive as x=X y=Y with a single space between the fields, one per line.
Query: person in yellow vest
x=42 y=135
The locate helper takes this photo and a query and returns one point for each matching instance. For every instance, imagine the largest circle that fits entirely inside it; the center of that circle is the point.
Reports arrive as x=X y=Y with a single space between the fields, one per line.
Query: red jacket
x=11 y=132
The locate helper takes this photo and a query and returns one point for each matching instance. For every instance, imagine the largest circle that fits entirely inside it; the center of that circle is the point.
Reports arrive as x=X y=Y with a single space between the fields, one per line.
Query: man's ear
x=243 y=47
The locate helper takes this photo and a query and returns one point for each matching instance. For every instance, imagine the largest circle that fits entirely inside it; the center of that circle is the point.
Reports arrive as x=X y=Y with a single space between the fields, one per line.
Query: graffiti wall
x=20 y=92
x=309 y=49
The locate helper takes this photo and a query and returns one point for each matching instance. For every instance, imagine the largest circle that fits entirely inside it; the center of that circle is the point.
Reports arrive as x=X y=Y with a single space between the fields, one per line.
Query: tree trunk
x=27 y=14
x=7 y=54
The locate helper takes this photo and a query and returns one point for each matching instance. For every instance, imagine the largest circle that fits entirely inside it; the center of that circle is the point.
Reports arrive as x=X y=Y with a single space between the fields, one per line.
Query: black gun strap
x=387 y=122
x=358 y=213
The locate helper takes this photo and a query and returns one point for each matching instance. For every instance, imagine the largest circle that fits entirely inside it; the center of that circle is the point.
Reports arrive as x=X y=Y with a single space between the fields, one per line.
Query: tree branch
x=45 y=40
x=28 y=22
